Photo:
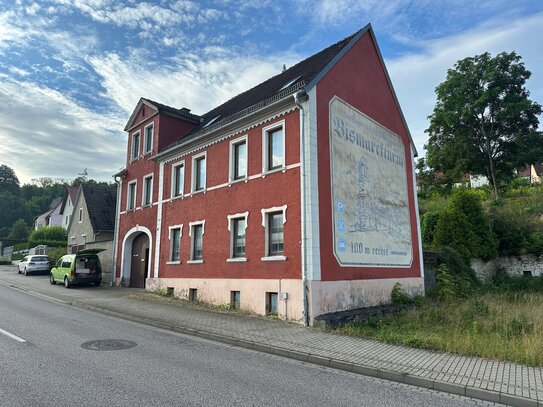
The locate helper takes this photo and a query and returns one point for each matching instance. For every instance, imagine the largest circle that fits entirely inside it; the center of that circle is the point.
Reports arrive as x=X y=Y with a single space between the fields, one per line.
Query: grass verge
x=503 y=325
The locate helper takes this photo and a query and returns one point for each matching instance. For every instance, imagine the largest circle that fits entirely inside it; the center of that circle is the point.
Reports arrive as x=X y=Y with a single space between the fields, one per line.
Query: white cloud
x=197 y=83
x=43 y=133
x=416 y=75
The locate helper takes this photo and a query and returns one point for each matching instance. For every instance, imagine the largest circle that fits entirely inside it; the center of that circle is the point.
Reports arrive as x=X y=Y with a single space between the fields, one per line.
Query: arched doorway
x=139 y=263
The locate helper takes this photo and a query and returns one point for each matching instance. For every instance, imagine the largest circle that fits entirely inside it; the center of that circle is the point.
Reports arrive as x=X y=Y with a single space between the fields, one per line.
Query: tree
x=465 y=227
x=19 y=230
x=483 y=121
x=8 y=180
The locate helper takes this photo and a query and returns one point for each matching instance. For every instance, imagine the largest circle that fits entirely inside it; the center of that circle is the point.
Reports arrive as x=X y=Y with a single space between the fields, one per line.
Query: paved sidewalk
x=500 y=382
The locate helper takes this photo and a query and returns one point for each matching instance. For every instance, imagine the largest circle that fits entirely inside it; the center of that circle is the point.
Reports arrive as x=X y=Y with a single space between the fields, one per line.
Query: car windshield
x=40 y=258
x=87 y=262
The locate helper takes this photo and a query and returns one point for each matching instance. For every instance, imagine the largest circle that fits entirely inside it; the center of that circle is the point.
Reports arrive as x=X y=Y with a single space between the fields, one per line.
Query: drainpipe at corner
x=116 y=230
x=303 y=206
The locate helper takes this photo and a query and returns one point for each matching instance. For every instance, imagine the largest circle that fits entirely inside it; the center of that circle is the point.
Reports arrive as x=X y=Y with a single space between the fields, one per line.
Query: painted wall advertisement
x=369 y=191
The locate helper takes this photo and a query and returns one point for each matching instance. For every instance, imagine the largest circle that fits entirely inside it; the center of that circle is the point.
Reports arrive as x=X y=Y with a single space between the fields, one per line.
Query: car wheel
x=67 y=282
x=97 y=283
x=52 y=279
x=27 y=273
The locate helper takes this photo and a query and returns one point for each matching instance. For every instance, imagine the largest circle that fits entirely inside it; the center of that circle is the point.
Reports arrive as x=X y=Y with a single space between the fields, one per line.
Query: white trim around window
x=134 y=155
x=266 y=132
x=147 y=200
x=172 y=247
x=146 y=136
x=174 y=191
x=80 y=219
x=196 y=258
x=131 y=199
x=265 y=217
x=231 y=220
x=195 y=177
x=233 y=166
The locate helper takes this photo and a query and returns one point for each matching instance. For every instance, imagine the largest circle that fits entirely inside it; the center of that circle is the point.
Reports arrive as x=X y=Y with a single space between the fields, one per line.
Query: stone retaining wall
x=526 y=264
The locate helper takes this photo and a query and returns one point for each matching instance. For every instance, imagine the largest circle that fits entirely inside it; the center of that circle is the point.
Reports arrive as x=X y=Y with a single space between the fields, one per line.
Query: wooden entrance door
x=140 y=261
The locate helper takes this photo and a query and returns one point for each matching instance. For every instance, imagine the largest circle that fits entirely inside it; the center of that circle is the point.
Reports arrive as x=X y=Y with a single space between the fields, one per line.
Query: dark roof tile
x=101 y=202
x=296 y=77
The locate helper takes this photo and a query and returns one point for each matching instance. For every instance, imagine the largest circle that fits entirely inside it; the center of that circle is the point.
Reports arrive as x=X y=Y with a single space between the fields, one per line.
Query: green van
x=80 y=268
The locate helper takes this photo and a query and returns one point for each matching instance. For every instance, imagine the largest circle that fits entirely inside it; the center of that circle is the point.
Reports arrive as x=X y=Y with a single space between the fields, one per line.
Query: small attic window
x=143 y=111
x=289 y=83
x=209 y=123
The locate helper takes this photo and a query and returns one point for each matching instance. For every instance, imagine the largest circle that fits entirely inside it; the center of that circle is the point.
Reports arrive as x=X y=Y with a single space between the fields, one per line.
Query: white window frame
x=174 y=183
x=265 y=217
x=135 y=182
x=170 y=229
x=265 y=132
x=132 y=157
x=193 y=173
x=80 y=219
x=144 y=191
x=231 y=219
x=232 y=158
x=152 y=127
x=191 y=228
x=84 y=239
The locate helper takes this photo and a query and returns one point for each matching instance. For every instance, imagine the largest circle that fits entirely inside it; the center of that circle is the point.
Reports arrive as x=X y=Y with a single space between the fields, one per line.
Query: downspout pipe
x=116 y=230
x=297 y=96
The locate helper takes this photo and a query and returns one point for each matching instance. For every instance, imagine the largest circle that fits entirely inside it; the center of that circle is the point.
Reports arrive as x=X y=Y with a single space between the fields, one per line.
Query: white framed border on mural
x=371 y=220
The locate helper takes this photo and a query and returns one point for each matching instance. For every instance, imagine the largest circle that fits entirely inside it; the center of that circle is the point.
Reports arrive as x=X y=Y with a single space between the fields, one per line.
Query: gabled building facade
x=296 y=197
x=92 y=225
x=52 y=217
x=67 y=207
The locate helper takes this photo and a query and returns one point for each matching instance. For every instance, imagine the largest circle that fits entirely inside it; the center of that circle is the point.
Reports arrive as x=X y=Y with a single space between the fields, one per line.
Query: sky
x=72 y=71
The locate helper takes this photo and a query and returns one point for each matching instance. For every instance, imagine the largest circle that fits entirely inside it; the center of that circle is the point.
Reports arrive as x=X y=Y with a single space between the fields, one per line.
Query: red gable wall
x=359 y=79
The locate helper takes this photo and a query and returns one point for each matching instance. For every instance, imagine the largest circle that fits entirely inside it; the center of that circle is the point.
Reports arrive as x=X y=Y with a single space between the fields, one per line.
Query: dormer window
x=209 y=123
x=290 y=83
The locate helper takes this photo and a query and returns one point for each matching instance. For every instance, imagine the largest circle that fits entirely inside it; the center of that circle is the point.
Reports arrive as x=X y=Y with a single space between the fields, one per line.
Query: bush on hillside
x=465 y=227
x=428 y=223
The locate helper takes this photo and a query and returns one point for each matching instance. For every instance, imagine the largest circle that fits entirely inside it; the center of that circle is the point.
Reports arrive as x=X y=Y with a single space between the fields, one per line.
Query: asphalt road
x=43 y=363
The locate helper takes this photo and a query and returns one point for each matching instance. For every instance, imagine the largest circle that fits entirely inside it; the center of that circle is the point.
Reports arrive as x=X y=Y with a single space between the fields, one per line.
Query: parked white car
x=33 y=264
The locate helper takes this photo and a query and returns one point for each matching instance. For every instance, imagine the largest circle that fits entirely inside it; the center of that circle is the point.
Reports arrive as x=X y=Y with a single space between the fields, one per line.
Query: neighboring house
x=52 y=217
x=532 y=173
x=67 y=208
x=93 y=223
x=295 y=198
x=472 y=181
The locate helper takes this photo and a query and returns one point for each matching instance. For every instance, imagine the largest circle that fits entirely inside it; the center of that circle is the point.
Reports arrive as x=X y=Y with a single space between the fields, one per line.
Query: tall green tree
x=8 y=180
x=19 y=230
x=484 y=121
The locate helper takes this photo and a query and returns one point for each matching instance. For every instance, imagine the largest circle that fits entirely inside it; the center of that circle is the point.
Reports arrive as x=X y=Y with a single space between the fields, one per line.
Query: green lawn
x=495 y=325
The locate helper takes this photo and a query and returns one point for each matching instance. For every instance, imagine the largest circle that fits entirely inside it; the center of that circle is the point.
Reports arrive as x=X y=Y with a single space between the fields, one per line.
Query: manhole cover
x=108 y=344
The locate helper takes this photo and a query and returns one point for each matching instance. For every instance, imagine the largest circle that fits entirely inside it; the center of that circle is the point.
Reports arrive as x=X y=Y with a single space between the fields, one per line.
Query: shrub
x=52 y=233
x=428 y=223
x=56 y=253
x=51 y=243
x=445 y=285
x=399 y=296
x=465 y=227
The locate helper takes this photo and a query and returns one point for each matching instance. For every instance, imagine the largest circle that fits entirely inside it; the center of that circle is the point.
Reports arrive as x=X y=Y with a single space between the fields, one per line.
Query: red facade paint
x=275 y=189
x=359 y=79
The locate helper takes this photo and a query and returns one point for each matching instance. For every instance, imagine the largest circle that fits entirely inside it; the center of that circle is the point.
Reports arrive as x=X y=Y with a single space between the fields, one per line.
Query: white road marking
x=11 y=335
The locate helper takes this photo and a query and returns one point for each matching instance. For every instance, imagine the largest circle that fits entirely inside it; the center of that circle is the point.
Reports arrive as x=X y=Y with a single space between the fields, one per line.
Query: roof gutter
x=297 y=96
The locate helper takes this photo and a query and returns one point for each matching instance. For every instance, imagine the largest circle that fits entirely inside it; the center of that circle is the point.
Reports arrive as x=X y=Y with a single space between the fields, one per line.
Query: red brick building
x=305 y=180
